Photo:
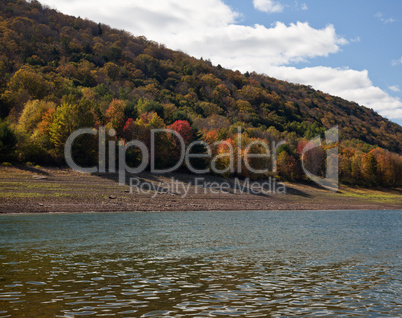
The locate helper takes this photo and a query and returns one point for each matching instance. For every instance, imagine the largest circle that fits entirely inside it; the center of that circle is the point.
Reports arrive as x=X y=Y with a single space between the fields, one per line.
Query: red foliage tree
x=128 y=129
x=184 y=129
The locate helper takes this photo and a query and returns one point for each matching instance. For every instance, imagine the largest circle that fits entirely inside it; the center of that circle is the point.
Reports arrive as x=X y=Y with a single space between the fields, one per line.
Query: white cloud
x=393 y=114
x=380 y=17
x=390 y=20
x=268 y=5
x=397 y=62
x=236 y=45
x=394 y=88
x=211 y=29
x=304 y=6
x=355 y=40
x=166 y=17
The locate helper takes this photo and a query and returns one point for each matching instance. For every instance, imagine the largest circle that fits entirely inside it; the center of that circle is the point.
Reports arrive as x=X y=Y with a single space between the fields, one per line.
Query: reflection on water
x=201 y=264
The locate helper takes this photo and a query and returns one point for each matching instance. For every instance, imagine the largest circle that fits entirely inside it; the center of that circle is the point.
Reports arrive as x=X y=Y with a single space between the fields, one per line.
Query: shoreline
x=210 y=211
x=51 y=190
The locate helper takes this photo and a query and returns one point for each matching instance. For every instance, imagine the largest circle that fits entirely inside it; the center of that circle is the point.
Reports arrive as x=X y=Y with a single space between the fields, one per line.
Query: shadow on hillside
x=166 y=184
x=398 y=191
x=294 y=191
x=33 y=170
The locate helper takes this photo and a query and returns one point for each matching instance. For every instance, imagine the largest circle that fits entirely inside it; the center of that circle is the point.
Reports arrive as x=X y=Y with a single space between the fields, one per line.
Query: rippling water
x=246 y=264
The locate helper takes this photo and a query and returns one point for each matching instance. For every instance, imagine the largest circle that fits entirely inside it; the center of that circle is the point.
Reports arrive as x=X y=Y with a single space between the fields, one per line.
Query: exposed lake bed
x=44 y=190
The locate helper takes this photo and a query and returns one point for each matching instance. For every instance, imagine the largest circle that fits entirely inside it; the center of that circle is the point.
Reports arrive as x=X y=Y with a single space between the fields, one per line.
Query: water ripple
x=263 y=280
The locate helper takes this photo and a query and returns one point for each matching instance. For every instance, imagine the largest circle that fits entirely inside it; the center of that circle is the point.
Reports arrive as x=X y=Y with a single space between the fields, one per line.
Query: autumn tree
x=24 y=85
x=148 y=106
x=356 y=162
x=67 y=118
x=313 y=160
x=369 y=169
x=288 y=167
x=115 y=116
x=32 y=114
x=46 y=122
x=183 y=128
x=385 y=167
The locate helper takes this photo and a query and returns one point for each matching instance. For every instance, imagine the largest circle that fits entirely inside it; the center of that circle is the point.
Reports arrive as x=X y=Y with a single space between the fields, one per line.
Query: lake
x=205 y=264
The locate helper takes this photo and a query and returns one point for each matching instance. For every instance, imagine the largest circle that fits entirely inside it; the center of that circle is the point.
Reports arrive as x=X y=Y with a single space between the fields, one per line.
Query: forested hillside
x=60 y=73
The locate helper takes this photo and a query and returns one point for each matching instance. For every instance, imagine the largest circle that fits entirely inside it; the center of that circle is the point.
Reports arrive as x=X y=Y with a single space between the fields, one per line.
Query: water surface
x=205 y=264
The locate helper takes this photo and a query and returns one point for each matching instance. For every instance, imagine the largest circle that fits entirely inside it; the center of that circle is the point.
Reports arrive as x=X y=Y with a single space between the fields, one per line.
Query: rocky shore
x=51 y=190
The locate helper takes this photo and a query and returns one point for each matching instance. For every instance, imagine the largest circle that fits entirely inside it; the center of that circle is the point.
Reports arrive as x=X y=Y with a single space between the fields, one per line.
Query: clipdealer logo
x=330 y=181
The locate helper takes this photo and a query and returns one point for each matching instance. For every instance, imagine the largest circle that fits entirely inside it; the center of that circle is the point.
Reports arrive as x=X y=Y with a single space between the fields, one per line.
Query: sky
x=347 y=48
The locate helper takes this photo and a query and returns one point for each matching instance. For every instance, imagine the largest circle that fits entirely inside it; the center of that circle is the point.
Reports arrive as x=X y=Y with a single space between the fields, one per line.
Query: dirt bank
x=38 y=190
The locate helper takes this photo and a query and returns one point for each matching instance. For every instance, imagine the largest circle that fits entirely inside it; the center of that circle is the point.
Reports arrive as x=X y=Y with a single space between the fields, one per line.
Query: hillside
x=59 y=73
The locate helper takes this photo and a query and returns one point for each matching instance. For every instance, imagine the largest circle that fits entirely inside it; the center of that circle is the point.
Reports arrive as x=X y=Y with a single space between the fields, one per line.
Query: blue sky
x=350 y=49
x=373 y=29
